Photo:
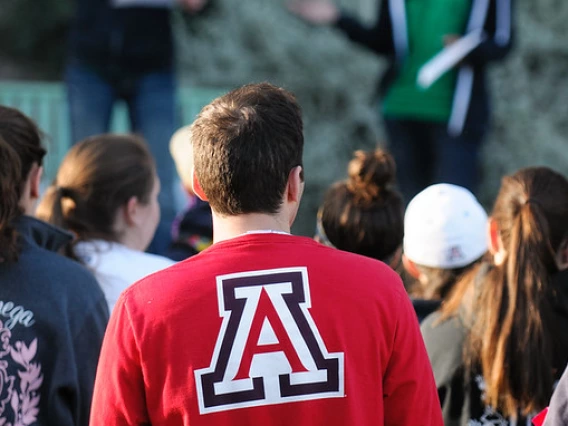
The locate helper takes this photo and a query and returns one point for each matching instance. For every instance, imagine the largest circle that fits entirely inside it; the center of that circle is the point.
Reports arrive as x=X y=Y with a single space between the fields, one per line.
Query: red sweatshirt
x=266 y=329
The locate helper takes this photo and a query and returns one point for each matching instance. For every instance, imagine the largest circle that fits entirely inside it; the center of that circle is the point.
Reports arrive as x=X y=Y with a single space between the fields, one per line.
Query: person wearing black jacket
x=434 y=134
x=53 y=314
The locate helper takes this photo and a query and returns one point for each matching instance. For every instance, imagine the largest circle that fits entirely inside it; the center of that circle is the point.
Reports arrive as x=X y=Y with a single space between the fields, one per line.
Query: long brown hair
x=20 y=149
x=365 y=214
x=9 y=200
x=509 y=308
x=97 y=177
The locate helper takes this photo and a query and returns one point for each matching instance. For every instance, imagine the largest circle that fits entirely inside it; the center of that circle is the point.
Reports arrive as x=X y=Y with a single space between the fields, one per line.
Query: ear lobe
x=493 y=238
x=130 y=211
x=35 y=180
x=494 y=242
x=295 y=187
x=410 y=267
x=197 y=190
x=562 y=256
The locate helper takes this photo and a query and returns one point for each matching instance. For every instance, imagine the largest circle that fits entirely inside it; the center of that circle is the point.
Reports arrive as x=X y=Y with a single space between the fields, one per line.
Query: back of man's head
x=245 y=144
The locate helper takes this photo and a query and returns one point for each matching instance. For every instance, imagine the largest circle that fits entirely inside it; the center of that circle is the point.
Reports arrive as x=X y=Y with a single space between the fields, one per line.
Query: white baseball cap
x=445 y=227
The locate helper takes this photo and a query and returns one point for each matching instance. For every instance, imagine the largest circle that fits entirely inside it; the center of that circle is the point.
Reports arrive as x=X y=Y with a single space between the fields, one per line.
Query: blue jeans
x=151 y=103
x=426 y=154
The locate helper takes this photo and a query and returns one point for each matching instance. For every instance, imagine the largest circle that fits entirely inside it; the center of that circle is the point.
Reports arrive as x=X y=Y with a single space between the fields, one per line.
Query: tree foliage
x=237 y=42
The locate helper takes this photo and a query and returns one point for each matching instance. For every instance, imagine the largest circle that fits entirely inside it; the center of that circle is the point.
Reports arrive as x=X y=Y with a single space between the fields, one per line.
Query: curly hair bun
x=371 y=174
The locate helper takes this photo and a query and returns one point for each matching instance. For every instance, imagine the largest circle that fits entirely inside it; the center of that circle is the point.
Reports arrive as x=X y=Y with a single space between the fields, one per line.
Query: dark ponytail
x=10 y=172
x=515 y=348
x=55 y=205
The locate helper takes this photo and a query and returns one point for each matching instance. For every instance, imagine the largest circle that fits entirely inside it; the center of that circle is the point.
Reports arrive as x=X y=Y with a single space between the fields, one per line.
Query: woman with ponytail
x=498 y=345
x=52 y=312
x=364 y=214
x=106 y=194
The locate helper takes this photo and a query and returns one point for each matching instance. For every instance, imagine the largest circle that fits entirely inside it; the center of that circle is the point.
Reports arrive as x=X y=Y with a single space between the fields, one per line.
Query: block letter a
x=269 y=349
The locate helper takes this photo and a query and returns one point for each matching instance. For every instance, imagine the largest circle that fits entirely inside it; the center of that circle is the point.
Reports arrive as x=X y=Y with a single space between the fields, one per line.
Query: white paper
x=447 y=58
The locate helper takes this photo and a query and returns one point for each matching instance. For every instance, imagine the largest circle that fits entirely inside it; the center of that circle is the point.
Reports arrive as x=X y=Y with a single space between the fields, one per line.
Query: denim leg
x=457 y=159
x=153 y=114
x=152 y=108
x=90 y=99
x=411 y=146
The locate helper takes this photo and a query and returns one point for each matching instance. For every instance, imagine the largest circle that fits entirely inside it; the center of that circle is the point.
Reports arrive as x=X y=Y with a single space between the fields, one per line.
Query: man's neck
x=227 y=227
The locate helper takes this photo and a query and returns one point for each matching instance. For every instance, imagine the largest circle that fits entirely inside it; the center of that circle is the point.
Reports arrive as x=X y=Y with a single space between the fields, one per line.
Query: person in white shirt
x=106 y=194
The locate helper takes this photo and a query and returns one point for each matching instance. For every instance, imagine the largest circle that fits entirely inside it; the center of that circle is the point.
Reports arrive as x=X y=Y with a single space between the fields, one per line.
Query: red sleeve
x=410 y=394
x=119 y=397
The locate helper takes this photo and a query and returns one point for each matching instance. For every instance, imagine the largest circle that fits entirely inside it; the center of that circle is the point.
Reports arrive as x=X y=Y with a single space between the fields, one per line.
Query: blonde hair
x=181 y=151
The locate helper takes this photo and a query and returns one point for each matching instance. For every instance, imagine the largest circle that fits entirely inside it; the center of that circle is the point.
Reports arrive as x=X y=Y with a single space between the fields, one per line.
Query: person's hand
x=318 y=12
x=450 y=39
x=193 y=6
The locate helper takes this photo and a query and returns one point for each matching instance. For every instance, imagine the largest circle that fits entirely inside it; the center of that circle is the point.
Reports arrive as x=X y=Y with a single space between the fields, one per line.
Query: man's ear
x=197 y=190
x=295 y=187
x=36 y=174
x=410 y=267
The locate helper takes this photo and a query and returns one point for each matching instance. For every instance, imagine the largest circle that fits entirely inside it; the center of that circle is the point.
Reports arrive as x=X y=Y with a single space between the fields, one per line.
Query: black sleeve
x=76 y=365
x=88 y=343
x=378 y=38
x=498 y=30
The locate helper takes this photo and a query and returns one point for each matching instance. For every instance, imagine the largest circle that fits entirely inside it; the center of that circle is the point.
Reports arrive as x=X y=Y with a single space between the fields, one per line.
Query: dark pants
x=150 y=98
x=426 y=154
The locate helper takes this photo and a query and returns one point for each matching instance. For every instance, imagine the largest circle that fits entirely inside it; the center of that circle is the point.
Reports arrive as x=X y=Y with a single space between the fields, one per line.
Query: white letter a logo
x=269 y=350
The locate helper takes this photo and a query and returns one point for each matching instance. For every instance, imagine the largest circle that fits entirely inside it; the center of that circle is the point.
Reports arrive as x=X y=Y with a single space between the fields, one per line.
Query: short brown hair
x=98 y=176
x=245 y=145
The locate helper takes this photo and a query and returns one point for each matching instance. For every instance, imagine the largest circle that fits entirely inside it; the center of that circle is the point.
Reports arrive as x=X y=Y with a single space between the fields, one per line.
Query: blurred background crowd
x=392 y=171
x=232 y=44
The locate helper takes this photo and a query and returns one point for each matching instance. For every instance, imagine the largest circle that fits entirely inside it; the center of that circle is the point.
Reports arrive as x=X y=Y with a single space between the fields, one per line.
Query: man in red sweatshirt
x=263 y=327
